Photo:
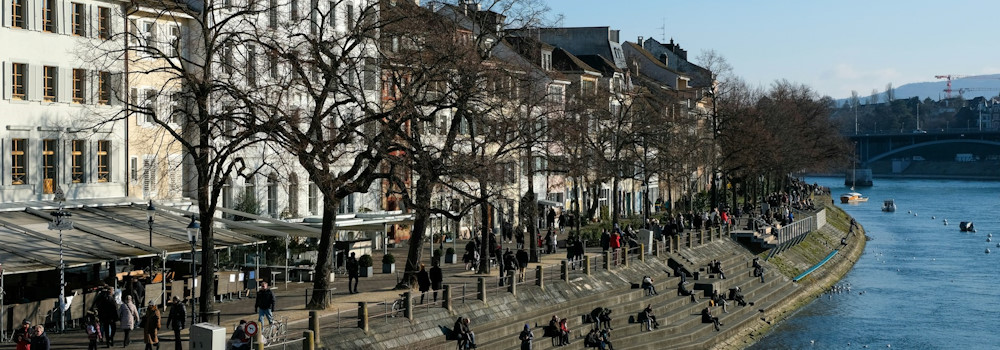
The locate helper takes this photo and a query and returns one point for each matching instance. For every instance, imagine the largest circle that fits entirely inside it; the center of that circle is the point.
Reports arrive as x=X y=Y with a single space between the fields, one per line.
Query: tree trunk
x=484 y=214
x=615 y=215
x=595 y=200
x=205 y=214
x=421 y=216
x=320 y=299
x=528 y=216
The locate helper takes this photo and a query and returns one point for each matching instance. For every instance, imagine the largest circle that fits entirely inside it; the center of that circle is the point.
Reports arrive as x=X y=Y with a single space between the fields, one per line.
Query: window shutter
x=5 y=71
x=175 y=174
x=34 y=15
x=116 y=89
x=35 y=80
x=5 y=13
x=64 y=90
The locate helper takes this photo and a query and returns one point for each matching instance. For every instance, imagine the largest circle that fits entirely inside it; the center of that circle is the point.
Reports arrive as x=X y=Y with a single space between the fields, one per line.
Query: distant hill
x=935 y=89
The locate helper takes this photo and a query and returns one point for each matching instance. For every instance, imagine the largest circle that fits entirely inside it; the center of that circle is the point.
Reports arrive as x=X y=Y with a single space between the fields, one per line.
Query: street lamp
x=59 y=223
x=150 y=213
x=192 y=233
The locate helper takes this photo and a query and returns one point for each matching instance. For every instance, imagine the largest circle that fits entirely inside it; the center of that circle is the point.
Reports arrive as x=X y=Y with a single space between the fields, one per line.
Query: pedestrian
x=550 y=242
x=522 y=263
x=352 y=274
x=265 y=304
x=526 y=336
x=605 y=240
x=423 y=282
x=39 y=339
x=151 y=324
x=563 y=332
x=175 y=320
x=615 y=244
x=761 y=272
x=509 y=264
x=22 y=336
x=107 y=314
x=437 y=278
x=93 y=329
x=129 y=316
x=519 y=238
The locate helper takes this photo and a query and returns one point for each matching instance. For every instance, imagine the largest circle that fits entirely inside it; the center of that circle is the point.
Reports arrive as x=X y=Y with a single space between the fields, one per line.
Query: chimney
x=640 y=40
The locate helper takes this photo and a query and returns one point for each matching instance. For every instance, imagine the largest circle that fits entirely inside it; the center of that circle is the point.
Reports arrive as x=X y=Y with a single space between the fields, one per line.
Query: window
x=332 y=15
x=175 y=41
x=49 y=82
x=18 y=81
x=250 y=190
x=18 y=161
x=77 y=158
x=103 y=161
x=272 y=65
x=272 y=14
x=588 y=87
x=294 y=10
x=149 y=102
x=104 y=88
x=313 y=199
x=133 y=172
x=103 y=23
x=293 y=195
x=148 y=32
x=227 y=193
x=175 y=108
x=371 y=74
x=272 y=195
x=48 y=15
x=79 y=85
x=17 y=13
x=79 y=19
x=251 y=65
x=227 y=59
x=49 y=163
x=346 y=205
x=350 y=16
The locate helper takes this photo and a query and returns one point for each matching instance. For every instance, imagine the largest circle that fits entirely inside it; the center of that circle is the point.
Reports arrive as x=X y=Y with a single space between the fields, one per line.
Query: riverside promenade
x=498 y=313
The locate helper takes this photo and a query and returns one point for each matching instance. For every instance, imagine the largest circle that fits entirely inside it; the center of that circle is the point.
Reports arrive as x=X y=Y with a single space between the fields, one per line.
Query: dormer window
x=547 y=61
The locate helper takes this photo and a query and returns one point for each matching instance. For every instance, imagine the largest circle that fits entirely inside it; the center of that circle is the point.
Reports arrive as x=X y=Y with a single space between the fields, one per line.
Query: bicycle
x=275 y=332
x=398 y=306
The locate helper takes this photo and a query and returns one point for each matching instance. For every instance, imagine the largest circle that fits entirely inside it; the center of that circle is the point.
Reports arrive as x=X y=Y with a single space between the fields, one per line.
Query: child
x=93 y=332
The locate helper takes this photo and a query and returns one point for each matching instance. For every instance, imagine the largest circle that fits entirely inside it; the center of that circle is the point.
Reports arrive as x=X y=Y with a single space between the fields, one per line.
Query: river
x=919 y=284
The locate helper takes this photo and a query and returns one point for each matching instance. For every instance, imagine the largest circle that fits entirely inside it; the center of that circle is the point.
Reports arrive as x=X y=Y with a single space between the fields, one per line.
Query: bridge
x=942 y=145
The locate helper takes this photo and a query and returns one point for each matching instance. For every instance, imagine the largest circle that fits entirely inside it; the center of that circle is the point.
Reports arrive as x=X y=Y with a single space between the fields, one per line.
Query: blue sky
x=834 y=47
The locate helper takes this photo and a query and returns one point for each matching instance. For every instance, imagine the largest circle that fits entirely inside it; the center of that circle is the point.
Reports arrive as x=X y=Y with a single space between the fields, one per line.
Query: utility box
x=208 y=336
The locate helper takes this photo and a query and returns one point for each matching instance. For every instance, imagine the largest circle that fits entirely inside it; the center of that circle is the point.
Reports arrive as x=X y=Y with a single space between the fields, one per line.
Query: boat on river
x=852 y=197
x=889 y=205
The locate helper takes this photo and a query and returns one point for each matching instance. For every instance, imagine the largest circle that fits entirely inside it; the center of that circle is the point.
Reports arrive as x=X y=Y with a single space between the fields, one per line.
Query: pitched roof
x=601 y=64
x=564 y=61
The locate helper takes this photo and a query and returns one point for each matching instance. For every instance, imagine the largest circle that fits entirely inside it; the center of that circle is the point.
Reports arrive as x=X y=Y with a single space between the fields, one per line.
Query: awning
x=549 y=203
x=102 y=231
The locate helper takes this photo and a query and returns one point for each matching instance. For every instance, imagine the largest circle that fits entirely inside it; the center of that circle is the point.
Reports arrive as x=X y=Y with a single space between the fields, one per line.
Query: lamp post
x=192 y=233
x=150 y=213
x=59 y=223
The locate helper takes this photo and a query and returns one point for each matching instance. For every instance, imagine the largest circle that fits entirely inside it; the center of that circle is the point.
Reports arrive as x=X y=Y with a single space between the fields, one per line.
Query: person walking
x=525 y=337
x=107 y=314
x=522 y=263
x=39 y=339
x=437 y=278
x=352 y=274
x=22 y=336
x=175 y=320
x=265 y=304
x=129 y=316
x=423 y=282
x=150 y=326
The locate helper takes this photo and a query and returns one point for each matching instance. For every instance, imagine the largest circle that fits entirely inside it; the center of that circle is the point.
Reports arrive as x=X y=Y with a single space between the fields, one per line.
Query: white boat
x=889 y=205
x=852 y=197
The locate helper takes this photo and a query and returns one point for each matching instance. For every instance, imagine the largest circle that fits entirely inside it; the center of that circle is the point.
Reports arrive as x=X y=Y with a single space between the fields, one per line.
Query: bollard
x=258 y=341
x=564 y=271
x=656 y=248
x=642 y=252
x=690 y=239
x=314 y=327
x=408 y=311
x=586 y=265
x=481 y=289
x=512 y=286
x=308 y=341
x=363 y=316
x=701 y=237
x=446 y=297
x=538 y=277
x=607 y=260
x=625 y=257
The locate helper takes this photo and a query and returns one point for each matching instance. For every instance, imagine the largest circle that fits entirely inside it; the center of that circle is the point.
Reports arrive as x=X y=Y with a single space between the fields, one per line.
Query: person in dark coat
x=352 y=274
x=22 y=336
x=39 y=339
x=175 y=320
x=605 y=240
x=522 y=263
x=423 y=282
x=525 y=337
x=264 y=304
x=437 y=278
x=107 y=314
x=151 y=325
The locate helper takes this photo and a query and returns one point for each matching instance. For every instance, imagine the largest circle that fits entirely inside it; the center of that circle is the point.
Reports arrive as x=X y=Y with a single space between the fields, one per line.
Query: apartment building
x=57 y=90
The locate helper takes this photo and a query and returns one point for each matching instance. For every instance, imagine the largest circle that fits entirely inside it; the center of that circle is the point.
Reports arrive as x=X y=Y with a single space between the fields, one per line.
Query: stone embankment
x=499 y=313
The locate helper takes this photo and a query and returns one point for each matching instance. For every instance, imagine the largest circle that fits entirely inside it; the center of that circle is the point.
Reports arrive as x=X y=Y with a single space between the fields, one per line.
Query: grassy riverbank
x=799 y=258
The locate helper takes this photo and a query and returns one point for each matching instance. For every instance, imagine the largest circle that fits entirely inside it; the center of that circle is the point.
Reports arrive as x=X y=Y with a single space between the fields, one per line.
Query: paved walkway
x=291 y=300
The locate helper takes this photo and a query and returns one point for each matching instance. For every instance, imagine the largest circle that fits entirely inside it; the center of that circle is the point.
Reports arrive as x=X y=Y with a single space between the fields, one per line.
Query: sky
x=832 y=46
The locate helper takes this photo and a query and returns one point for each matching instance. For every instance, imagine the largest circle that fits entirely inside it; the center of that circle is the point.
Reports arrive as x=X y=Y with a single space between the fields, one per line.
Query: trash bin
x=696 y=274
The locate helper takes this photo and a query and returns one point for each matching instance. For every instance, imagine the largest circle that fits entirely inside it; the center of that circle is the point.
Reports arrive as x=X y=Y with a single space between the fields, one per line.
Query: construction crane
x=950 y=77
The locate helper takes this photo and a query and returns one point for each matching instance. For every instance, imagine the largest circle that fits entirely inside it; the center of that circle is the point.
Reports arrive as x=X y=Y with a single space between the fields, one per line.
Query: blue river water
x=920 y=284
